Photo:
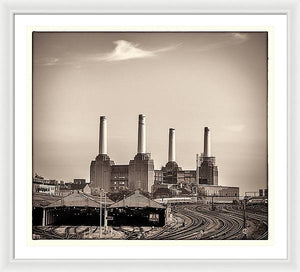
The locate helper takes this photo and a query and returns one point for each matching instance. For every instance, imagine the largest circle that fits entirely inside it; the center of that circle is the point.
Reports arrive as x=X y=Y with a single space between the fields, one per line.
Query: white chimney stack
x=142 y=134
x=171 y=145
x=207 y=142
x=103 y=136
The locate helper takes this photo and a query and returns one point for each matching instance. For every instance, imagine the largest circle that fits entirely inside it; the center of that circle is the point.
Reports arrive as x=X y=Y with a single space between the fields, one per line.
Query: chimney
x=142 y=134
x=207 y=142
x=103 y=136
x=171 y=145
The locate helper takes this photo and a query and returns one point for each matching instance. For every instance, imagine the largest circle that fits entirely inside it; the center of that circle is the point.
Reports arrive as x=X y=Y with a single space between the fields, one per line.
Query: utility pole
x=197 y=169
x=244 y=207
x=105 y=214
x=100 y=228
x=245 y=220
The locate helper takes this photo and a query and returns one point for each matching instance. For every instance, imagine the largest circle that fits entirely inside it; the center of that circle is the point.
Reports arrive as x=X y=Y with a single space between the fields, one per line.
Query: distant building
x=208 y=171
x=138 y=174
x=79 y=181
x=216 y=193
x=71 y=186
x=263 y=192
x=87 y=189
x=217 y=190
x=46 y=186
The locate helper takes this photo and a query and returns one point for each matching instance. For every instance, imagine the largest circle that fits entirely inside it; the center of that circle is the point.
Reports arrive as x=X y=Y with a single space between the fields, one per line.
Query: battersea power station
x=139 y=174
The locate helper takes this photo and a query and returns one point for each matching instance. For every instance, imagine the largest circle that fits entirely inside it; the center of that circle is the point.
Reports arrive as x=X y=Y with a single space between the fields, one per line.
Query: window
x=154 y=217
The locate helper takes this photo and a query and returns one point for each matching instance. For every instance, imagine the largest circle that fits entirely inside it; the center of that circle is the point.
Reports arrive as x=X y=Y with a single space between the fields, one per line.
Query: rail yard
x=136 y=202
x=188 y=222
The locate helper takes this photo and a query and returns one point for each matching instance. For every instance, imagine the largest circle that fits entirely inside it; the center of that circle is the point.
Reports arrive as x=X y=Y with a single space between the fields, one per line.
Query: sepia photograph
x=150 y=135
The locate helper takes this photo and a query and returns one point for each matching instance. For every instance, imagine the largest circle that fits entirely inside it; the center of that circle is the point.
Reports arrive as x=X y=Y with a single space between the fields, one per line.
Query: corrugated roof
x=79 y=199
x=43 y=200
x=137 y=200
x=75 y=200
x=97 y=199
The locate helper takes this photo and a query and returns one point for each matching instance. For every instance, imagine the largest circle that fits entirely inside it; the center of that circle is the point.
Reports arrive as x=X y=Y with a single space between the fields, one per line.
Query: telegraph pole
x=105 y=214
x=100 y=230
x=244 y=207
x=197 y=169
x=245 y=230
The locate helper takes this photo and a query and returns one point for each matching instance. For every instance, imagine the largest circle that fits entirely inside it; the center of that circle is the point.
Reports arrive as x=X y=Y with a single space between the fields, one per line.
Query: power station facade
x=208 y=171
x=140 y=174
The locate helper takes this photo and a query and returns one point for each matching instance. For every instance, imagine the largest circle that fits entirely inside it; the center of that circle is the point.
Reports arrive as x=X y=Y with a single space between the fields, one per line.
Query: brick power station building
x=140 y=173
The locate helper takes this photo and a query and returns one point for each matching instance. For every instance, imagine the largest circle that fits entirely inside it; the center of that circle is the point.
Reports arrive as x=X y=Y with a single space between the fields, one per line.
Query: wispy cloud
x=228 y=39
x=122 y=51
x=125 y=50
x=48 y=61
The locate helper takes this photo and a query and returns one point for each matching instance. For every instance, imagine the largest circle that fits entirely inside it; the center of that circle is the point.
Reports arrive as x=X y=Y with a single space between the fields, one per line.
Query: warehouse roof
x=137 y=200
x=43 y=200
x=78 y=199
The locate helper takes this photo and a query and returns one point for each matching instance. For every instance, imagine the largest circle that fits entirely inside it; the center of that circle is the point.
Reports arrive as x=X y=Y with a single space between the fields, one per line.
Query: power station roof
x=78 y=199
x=136 y=200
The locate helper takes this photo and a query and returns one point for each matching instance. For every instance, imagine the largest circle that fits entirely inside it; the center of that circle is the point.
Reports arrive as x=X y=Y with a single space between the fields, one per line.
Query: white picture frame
x=9 y=10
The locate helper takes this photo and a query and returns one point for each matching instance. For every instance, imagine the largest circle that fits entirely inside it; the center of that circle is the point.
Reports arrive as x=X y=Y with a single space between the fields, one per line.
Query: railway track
x=215 y=225
x=255 y=216
x=47 y=233
x=189 y=230
x=199 y=223
x=231 y=225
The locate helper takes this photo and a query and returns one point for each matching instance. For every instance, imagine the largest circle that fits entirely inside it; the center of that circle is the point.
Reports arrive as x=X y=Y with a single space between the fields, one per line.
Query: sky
x=184 y=80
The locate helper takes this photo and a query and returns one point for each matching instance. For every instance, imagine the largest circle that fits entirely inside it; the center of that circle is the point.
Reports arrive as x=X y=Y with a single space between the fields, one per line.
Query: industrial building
x=137 y=210
x=217 y=190
x=172 y=173
x=81 y=209
x=172 y=180
x=46 y=186
x=138 y=174
x=206 y=170
x=76 y=208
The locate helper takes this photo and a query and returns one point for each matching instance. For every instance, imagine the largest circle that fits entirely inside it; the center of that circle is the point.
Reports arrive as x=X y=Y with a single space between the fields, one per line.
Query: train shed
x=137 y=210
x=74 y=209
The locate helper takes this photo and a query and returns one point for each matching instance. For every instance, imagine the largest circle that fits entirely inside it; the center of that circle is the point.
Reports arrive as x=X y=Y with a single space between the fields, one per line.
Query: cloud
x=228 y=39
x=125 y=50
x=239 y=37
x=48 y=61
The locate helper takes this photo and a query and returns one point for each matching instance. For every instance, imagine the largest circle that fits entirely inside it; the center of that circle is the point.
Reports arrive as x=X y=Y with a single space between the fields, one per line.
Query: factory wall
x=208 y=172
x=141 y=173
x=119 y=178
x=103 y=172
x=211 y=190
